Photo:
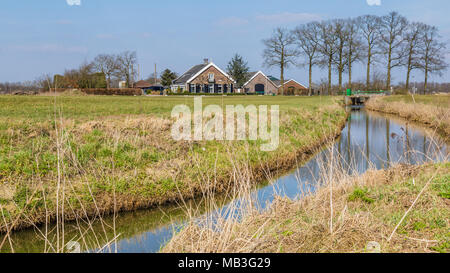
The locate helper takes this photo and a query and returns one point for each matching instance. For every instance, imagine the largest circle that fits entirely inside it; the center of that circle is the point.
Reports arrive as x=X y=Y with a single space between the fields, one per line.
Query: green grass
x=42 y=108
x=361 y=194
x=124 y=145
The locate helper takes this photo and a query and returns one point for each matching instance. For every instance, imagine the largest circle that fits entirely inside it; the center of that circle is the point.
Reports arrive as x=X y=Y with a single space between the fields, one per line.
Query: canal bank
x=399 y=203
x=432 y=111
x=369 y=140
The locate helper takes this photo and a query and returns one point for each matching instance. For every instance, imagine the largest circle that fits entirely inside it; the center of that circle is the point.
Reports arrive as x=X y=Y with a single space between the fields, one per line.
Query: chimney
x=205 y=61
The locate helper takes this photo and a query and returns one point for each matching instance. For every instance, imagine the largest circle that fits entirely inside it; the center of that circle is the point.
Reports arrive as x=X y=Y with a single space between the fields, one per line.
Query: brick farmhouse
x=204 y=78
x=209 y=78
x=259 y=83
x=292 y=87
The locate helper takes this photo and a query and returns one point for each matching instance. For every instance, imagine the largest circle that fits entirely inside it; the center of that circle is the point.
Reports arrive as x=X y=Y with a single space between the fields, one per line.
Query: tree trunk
x=425 y=87
x=388 y=80
x=329 y=75
x=340 y=71
x=408 y=73
x=408 y=69
x=282 y=72
x=350 y=74
x=369 y=60
x=310 y=78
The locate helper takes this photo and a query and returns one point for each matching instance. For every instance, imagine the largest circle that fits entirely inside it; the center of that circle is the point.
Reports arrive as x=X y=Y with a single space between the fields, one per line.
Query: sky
x=48 y=36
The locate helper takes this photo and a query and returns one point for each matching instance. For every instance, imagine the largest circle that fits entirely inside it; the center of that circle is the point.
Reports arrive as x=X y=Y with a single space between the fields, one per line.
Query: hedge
x=208 y=94
x=113 y=91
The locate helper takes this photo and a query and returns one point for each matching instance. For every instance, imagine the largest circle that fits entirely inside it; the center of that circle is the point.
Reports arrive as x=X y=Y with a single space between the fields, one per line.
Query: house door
x=259 y=88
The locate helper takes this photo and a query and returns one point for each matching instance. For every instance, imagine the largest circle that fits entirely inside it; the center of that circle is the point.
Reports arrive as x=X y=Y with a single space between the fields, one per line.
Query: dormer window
x=211 y=77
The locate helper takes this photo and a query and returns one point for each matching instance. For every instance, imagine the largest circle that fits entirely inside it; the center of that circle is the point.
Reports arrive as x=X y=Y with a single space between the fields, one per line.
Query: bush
x=187 y=93
x=113 y=91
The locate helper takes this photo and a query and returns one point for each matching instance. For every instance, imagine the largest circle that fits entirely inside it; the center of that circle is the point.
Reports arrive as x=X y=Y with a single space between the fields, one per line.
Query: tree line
x=338 y=44
x=104 y=71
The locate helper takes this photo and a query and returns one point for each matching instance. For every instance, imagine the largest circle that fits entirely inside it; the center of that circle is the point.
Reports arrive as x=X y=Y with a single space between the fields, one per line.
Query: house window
x=211 y=77
x=219 y=88
x=193 y=88
x=211 y=88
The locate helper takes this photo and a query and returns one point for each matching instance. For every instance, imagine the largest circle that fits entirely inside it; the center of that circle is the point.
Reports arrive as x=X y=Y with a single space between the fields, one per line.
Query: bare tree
x=327 y=47
x=431 y=54
x=127 y=61
x=306 y=40
x=341 y=35
x=392 y=28
x=279 y=52
x=354 y=49
x=369 y=26
x=107 y=64
x=411 y=48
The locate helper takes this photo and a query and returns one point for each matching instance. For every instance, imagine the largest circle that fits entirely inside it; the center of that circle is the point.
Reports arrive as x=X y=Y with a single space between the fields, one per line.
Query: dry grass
x=433 y=111
x=342 y=216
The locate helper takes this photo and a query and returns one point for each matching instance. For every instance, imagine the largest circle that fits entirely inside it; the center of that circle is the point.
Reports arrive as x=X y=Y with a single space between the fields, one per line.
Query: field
x=70 y=157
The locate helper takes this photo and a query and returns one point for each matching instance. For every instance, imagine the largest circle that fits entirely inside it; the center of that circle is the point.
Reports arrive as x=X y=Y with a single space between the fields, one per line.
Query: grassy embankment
x=70 y=157
x=431 y=110
x=404 y=209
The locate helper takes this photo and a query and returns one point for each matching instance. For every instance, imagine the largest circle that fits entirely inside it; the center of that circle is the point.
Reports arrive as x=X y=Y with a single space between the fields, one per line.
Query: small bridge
x=360 y=97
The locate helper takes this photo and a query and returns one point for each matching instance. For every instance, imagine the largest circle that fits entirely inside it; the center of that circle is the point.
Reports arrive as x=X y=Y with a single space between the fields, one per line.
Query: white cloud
x=374 y=2
x=288 y=17
x=73 y=2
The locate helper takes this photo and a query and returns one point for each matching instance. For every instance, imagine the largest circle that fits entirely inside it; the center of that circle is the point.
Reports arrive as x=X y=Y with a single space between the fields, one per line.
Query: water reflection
x=368 y=140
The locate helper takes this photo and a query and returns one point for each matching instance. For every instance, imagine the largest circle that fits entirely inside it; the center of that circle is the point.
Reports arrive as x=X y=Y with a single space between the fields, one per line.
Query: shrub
x=113 y=91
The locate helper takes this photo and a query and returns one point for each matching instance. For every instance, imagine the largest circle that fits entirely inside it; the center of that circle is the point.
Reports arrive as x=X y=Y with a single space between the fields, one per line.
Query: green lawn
x=42 y=108
x=118 y=151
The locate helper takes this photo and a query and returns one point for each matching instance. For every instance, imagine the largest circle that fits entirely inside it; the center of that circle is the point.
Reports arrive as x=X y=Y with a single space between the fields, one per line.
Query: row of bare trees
x=105 y=71
x=339 y=44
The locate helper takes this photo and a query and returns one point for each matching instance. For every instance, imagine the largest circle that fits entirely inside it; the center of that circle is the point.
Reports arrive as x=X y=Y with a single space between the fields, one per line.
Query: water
x=368 y=140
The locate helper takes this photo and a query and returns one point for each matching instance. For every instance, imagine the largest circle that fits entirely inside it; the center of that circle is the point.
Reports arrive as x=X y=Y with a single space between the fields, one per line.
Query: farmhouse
x=147 y=87
x=204 y=78
x=259 y=83
x=291 y=87
x=142 y=85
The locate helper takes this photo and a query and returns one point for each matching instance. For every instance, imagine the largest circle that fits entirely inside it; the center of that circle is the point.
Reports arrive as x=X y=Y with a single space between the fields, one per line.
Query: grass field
x=431 y=110
x=70 y=157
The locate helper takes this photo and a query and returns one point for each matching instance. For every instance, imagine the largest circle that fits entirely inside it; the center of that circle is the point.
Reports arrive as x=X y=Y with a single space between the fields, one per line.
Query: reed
x=432 y=111
x=401 y=209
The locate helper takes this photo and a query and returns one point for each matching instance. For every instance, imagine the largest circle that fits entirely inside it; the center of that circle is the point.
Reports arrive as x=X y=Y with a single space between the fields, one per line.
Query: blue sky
x=48 y=36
